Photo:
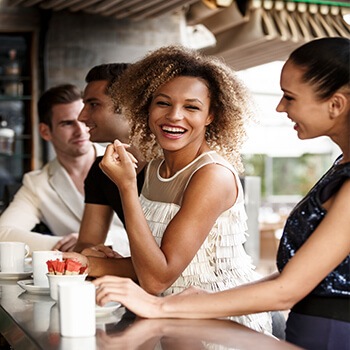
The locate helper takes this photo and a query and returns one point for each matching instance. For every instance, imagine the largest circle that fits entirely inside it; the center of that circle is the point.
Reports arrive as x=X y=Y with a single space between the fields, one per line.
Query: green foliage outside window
x=288 y=176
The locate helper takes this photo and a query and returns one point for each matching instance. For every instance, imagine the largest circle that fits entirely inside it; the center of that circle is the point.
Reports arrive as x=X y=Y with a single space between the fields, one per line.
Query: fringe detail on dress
x=221 y=262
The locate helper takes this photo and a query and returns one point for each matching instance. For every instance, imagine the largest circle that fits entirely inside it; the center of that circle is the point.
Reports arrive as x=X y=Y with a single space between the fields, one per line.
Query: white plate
x=15 y=275
x=28 y=286
x=107 y=309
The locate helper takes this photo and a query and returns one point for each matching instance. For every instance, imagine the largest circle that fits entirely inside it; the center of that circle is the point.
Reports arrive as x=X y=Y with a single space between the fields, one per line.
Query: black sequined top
x=302 y=222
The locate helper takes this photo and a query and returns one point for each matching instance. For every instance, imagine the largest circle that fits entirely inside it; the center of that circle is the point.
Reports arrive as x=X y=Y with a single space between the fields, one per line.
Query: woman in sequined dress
x=313 y=258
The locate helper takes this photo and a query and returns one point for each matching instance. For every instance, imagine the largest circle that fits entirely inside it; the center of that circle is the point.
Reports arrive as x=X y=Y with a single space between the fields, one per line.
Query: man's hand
x=67 y=243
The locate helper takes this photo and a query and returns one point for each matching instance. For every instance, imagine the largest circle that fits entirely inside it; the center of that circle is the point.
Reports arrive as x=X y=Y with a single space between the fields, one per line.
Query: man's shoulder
x=96 y=165
x=42 y=175
x=38 y=172
x=97 y=178
x=95 y=172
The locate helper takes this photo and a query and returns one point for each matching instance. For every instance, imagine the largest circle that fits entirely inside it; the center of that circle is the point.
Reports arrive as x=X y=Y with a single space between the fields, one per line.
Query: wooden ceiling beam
x=136 y=9
x=82 y=5
x=103 y=6
x=126 y=6
x=25 y=3
x=168 y=6
x=66 y=4
x=50 y=4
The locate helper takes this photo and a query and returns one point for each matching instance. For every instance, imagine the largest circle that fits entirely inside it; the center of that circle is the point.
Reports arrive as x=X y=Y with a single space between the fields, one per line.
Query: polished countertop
x=31 y=321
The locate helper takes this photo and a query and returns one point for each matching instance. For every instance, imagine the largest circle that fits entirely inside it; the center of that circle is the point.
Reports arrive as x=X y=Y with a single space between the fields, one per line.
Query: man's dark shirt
x=100 y=189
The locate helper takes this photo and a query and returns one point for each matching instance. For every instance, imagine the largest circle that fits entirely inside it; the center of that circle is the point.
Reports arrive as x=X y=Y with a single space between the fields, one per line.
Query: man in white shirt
x=54 y=195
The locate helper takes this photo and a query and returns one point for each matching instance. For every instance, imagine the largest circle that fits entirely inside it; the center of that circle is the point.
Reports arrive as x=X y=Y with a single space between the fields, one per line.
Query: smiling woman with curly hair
x=188 y=225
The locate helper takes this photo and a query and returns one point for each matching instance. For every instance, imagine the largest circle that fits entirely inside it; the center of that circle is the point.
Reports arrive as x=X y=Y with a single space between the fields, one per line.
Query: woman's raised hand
x=118 y=164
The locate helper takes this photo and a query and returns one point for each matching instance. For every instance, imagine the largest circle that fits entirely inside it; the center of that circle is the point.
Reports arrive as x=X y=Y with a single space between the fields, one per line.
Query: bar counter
x=29 y=321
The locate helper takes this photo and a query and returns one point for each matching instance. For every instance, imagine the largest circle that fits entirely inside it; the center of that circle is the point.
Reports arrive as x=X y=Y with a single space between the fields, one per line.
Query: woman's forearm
x=247 y=299
x=122 y=267
x=147 y=258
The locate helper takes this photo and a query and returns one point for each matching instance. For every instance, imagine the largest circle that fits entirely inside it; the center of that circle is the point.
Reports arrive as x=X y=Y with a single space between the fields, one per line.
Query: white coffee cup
x=76 y=303
x=12 y=255
x=39 y=259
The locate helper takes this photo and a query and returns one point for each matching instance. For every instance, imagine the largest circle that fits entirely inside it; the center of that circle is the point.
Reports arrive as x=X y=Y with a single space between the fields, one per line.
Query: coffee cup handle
x=26 y=247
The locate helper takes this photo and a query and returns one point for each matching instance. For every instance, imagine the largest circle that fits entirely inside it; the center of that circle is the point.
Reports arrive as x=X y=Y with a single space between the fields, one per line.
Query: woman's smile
x=173 y=132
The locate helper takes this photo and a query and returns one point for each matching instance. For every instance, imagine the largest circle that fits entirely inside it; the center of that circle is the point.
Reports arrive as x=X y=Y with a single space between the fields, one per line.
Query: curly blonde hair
x=230 y=102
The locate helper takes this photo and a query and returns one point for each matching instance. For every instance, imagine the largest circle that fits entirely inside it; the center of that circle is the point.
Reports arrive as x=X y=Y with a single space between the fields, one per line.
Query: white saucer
x=40 y=298
x=107 y=309
x=28 y=286
x=15 y=275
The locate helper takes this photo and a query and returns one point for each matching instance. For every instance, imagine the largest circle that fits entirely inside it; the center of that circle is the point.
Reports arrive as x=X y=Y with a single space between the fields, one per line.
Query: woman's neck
x=174 y=161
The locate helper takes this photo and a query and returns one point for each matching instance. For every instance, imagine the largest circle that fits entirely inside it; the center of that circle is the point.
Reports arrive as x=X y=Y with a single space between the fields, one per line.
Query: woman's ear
x=338 y=104
x=210 y=118
x=45 y=131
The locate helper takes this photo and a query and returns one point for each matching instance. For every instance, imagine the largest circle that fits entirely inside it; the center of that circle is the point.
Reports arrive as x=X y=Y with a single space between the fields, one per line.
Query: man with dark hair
x=54 y=195
x=99 y=114
x=106 y=123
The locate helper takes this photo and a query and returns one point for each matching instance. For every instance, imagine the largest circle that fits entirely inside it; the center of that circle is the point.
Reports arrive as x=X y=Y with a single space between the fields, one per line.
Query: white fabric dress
x=221 y=262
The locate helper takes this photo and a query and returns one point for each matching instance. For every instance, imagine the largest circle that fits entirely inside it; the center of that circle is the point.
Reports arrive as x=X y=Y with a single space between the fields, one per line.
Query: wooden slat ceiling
x=121 y=9
x=268 y=31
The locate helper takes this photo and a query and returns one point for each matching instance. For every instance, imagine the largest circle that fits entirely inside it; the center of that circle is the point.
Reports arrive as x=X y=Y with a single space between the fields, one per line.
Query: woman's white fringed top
x=221 y=262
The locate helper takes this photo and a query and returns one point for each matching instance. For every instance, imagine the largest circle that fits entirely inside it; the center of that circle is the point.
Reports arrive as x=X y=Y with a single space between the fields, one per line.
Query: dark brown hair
x=61 y=94
x=326 y=64
x=108 y=71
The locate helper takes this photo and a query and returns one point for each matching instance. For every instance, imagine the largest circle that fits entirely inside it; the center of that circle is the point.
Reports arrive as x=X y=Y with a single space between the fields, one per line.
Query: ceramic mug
x=76 y=303
x=12 y=255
